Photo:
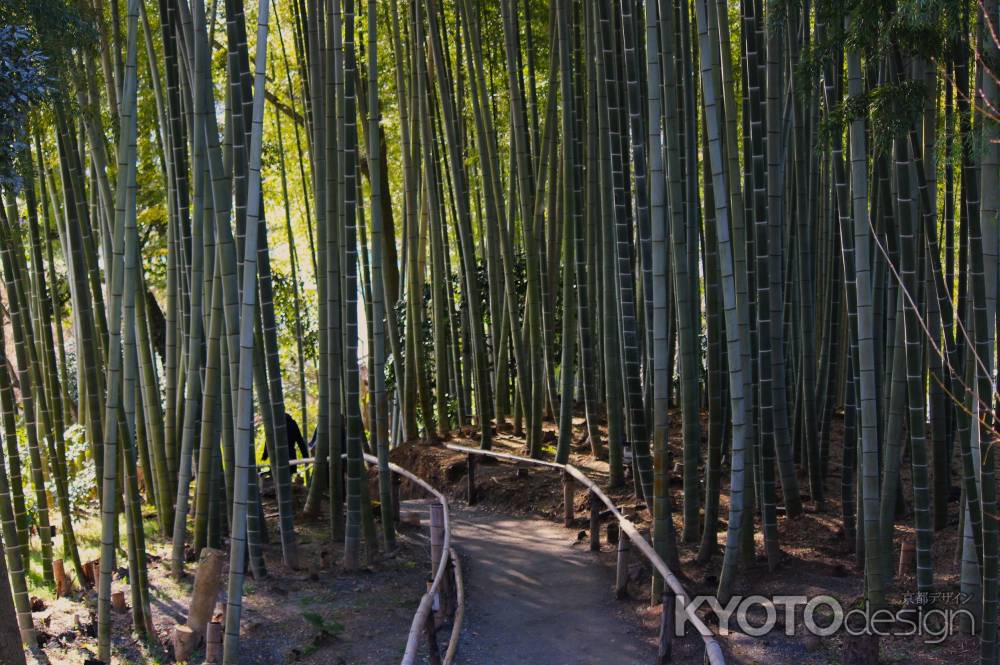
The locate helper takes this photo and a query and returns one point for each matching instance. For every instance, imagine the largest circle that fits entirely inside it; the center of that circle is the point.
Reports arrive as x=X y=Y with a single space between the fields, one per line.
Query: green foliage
x=890 y=108
x=286 y=316
x=426 y=337
x=83 y=479
x=56 y=28
x=82 y=483
x=22 y=85
x=883 y=32
x=323 y=625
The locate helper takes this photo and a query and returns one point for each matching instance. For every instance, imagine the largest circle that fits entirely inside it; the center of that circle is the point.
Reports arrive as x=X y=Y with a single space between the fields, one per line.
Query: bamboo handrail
x=447 y=553
x=712 y=649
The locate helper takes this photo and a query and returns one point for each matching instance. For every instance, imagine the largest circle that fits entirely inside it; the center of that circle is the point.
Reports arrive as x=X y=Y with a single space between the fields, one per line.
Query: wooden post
x=433 y=651
x=203 y=600
x=213 y=642
x=452 y=575
x=621 y=574
x=395 y=497
x=118 y=601
x=62 y=582
x=567 y=483
x=472 y=479
x=666 y=627
x=595 y=521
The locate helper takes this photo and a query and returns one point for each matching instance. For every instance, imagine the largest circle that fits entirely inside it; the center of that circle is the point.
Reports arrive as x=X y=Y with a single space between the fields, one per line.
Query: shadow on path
x=535 y=597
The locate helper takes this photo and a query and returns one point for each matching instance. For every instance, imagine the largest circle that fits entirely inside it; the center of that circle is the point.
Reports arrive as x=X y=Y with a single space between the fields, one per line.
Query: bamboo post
x=621 y=574
x=118 y=601
x=437 y=534
x=663 y=655
x=595 y=521
x=567 y=483
x=472 y=479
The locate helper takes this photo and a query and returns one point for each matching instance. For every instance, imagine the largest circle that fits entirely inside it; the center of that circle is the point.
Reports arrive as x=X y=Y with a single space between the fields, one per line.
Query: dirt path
x=536 y=596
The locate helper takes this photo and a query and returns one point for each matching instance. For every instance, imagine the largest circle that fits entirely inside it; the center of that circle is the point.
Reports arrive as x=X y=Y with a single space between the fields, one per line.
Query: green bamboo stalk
x=866 y=366
x=244 y=443
x=735 y=340
x=27 y=389
x=124 y=208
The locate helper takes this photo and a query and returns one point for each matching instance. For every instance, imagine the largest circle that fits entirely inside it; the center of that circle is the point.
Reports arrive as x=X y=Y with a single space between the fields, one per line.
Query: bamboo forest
x=499 y=332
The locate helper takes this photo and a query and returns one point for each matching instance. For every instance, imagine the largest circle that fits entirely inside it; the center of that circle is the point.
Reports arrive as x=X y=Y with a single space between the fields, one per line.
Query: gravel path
x=536 y=597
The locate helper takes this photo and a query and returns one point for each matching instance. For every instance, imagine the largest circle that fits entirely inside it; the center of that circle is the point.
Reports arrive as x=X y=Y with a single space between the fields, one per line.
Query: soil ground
x=318 y=615
x=536 y=594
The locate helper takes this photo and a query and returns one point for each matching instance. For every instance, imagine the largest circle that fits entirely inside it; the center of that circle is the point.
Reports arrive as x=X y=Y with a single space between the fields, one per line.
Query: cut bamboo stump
x=567 y=483
x=203 y=599
x=907 y=557
x=92 y=569
x=663 y=655
x=595 y=521
x=206 y=589
x=118 y=602
x=612 y=533
x=621 y=573
x=213 y=642
x=183 y=639
x=63 y=586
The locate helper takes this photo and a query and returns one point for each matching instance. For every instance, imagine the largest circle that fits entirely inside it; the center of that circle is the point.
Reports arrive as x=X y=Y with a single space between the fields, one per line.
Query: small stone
x=811 y=643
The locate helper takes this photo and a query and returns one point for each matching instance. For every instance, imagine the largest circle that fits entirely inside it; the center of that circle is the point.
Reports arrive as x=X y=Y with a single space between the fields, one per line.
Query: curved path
x=536 y=597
